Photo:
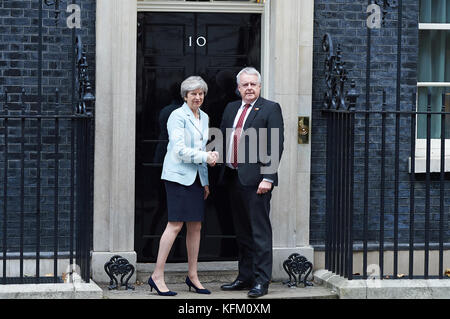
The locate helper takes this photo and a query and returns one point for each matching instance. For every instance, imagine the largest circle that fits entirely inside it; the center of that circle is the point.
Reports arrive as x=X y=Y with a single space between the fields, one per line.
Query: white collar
x=251 y=105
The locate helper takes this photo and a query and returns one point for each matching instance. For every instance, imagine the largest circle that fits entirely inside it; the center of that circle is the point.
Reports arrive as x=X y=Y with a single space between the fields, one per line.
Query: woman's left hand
x=206 y=192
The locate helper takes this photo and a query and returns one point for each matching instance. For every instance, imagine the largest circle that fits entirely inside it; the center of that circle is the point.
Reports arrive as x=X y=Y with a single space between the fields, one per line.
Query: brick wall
x=346 y=22
x=19 y=43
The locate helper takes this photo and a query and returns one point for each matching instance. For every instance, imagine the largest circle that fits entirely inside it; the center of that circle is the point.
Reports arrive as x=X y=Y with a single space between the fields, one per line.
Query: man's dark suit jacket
x=264 y=114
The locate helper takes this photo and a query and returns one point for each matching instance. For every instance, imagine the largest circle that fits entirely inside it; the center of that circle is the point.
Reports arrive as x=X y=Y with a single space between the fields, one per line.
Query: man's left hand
x=264 y=187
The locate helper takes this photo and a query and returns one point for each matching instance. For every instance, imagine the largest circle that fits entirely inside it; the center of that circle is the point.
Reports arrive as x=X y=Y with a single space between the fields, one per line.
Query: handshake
x=212 y=158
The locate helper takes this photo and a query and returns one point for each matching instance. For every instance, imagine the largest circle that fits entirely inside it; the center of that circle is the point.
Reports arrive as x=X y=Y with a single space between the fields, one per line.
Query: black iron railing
x=46 y=181
x=415 y=221
x=377 y=198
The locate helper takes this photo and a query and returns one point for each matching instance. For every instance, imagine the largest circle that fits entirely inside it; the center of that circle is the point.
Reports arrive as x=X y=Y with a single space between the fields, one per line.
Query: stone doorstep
x=52 y=291
x=276 y=291
x=208 y=272
x=175 y=273
x=173 y=277
x=384 y=289
x=213 y=275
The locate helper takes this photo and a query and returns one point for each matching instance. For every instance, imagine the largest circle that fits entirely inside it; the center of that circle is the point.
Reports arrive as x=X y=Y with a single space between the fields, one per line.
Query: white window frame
x=421 y=144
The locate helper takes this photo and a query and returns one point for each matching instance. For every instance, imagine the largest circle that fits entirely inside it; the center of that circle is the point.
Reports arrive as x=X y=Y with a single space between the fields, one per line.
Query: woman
x=185 y=173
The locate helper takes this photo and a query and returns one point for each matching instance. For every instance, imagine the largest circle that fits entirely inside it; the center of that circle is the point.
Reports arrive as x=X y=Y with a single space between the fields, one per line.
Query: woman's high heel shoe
x=197 y=290
x=153 y=285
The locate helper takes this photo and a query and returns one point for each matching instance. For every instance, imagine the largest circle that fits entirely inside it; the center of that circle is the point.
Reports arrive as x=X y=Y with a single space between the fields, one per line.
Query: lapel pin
x=257 y=109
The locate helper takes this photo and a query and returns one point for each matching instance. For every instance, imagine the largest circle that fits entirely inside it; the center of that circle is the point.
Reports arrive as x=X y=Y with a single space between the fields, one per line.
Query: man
x=255 y=129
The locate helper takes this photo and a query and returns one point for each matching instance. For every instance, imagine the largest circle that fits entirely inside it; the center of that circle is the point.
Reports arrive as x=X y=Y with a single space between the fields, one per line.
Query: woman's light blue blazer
x=186 y=152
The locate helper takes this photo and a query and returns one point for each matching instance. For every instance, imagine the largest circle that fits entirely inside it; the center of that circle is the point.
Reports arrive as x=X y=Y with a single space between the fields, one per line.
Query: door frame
x=223 y=7
x=115 y=108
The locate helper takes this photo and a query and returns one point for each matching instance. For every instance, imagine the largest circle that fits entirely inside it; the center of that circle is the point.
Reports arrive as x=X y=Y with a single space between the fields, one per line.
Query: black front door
x=171 y=47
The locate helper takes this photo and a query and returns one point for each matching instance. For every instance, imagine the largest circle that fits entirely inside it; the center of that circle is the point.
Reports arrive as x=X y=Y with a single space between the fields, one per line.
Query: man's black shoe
x=258 y=290
x=236 y=285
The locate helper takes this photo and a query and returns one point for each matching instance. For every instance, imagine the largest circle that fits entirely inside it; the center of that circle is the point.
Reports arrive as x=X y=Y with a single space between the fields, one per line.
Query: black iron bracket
x=335 y=75
x=56 y=3
x=297 y=265
x=119 y=266
x=335 y=96
x=86 y=98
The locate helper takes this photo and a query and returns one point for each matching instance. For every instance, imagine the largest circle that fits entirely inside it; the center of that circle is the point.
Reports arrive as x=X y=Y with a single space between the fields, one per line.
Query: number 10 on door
x=199 y=41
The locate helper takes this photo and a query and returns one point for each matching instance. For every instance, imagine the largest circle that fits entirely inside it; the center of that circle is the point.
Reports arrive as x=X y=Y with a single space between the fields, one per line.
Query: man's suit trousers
x=253 y=229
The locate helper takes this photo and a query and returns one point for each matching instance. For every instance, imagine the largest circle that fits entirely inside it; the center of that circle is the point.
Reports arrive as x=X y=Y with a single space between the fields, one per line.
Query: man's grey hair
x=249 y=71
x=193 y=83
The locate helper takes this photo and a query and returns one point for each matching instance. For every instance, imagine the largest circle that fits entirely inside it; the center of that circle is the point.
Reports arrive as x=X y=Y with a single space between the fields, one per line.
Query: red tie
x=237 y=135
